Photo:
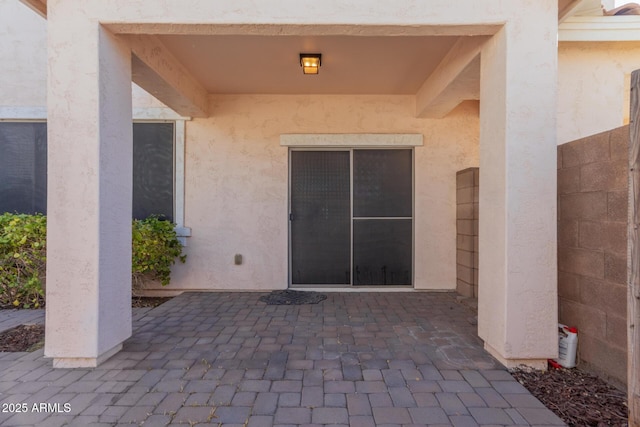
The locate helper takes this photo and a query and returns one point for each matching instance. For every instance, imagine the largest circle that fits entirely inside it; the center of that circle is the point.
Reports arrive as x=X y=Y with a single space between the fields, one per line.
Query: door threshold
x=353 y=288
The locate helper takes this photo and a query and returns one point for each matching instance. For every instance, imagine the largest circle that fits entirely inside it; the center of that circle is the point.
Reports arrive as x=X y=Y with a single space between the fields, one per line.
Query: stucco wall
x=593 y=87
x=23 y=60
x=236 y=171
x=23 y=56
x=591 y=75
x=237 y=183
x=592 y=248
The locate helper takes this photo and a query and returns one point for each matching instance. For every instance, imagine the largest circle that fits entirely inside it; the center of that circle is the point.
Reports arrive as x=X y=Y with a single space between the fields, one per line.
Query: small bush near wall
x=155 y=248
x=22 y=260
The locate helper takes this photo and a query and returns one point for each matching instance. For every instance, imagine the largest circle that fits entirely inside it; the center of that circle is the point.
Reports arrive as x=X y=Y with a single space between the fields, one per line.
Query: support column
x=517 y=312
x=89 y=192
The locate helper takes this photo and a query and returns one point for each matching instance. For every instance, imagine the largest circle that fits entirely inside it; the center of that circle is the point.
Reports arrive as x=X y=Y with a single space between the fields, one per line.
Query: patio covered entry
x=351 y=217
x=503 y=53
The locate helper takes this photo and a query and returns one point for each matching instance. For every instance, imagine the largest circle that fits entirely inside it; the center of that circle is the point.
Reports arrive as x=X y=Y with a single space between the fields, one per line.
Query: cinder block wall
x=467 y=232
x=592 y=249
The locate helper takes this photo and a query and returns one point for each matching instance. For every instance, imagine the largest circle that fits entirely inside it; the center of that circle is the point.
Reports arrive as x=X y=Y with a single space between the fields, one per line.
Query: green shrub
x=22 y=260
x=155 y=248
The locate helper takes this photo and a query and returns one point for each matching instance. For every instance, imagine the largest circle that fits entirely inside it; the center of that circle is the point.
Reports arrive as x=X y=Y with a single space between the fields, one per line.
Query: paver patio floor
x=359 y=359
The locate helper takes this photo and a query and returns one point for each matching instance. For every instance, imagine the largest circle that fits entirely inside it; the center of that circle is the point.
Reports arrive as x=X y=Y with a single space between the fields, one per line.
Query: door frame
x=351 y=149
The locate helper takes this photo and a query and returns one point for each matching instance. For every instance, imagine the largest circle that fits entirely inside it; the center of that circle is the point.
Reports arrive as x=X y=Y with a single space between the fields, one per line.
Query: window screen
x=320 y=217
x=153 y=170
x=382 y=183
x=382 y=251
x=23 y=168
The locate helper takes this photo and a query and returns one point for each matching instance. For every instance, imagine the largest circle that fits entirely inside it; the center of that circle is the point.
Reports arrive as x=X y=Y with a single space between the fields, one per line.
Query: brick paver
x=359 y=359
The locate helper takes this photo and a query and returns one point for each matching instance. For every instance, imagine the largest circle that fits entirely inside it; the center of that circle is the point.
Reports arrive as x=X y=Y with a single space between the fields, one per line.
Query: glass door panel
x=344 y=235
x=320 y=218
x=382 y=183
x=382 y=251
x=382 y=217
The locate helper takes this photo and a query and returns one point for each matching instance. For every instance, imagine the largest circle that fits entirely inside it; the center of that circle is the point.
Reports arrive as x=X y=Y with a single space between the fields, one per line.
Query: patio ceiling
x=390 y=65
x=237 y=64
x=183 y=70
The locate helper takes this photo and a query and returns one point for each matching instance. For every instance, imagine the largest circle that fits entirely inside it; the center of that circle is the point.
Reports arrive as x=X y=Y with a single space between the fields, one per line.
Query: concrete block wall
x=592 y=249
x=467 y=231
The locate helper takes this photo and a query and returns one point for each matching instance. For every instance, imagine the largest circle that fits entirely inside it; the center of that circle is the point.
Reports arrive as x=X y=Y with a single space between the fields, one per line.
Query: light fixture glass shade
x=310 y=62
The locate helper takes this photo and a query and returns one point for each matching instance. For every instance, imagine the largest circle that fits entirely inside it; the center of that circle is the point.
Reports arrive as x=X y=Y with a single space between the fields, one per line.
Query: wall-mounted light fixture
x=310 y=62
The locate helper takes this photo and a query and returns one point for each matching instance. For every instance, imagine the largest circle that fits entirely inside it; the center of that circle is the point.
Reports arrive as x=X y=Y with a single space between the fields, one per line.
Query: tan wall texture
x=23 y=60
x=593 y=87
x=592 y=248
x=236 y=180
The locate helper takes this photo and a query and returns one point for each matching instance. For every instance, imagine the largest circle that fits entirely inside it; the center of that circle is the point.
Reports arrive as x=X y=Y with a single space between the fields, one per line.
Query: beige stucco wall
x=590 y=75
x=237 y=172
x=517 y=283
x=23 y=60
x=593 y=87
x=236 y=196
x=237 y=183
x=23 y=56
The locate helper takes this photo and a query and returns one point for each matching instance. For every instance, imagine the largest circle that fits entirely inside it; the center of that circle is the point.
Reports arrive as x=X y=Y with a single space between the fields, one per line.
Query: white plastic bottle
x=567 y=345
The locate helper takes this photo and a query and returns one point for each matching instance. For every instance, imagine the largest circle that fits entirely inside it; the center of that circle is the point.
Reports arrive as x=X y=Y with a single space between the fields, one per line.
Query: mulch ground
x=21 y=338
x=577 y=397
x=148 y=301
x=31 y=337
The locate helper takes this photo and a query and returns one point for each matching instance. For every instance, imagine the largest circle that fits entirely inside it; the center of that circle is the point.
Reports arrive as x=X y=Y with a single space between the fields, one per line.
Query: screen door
x=320 y=218
x=382 y=217
x=351 y=217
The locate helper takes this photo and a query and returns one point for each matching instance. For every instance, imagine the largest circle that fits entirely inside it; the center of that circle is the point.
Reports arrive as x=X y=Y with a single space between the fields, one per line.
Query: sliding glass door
x=351 y=217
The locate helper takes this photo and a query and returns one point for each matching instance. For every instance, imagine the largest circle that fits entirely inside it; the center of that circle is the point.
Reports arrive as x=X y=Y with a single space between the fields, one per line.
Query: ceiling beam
x=441 y=91
x=38 y=6
x=158 y=72
x=465 y=87
x=567 y=9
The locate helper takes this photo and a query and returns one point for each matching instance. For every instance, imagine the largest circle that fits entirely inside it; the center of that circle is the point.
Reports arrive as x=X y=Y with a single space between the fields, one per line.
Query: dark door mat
x=289 y=297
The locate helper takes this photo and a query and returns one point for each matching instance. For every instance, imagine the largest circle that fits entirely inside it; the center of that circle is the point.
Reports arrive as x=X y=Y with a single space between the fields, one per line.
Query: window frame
x=352 y=142
x=144 y=115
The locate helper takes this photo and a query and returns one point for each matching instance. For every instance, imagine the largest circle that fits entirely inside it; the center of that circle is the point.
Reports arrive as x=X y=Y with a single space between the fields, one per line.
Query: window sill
x=182 y=233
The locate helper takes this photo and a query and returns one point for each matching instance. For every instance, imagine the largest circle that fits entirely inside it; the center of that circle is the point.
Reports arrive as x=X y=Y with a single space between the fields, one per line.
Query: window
x=153 y=176
x=23 y=168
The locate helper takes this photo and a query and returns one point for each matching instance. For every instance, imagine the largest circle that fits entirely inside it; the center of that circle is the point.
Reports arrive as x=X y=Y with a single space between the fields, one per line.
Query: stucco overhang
x=565 y=7
x=182 y=65
x=600 y=29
